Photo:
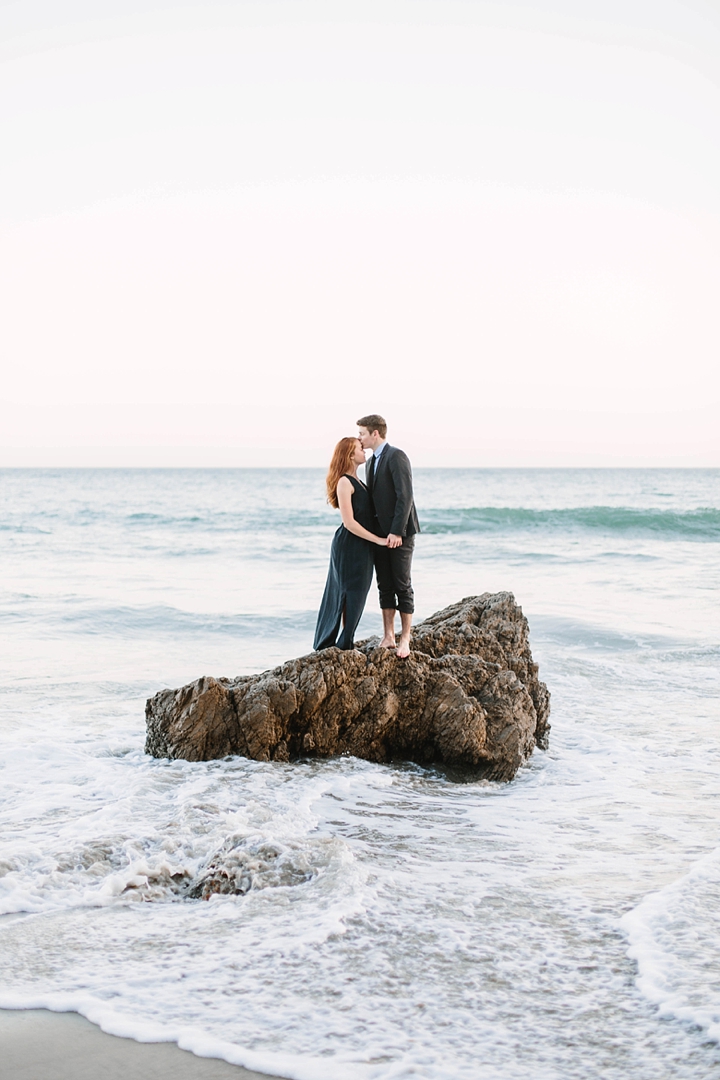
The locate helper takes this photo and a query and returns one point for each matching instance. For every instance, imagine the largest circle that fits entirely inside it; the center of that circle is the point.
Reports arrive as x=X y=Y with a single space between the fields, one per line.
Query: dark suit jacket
x=391 y=491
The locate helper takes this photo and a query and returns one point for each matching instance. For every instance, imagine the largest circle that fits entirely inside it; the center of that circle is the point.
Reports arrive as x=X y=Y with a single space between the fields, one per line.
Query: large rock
x=468 y=696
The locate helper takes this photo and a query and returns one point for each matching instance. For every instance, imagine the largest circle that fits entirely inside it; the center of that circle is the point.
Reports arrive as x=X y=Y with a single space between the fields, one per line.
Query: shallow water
x=397 y=923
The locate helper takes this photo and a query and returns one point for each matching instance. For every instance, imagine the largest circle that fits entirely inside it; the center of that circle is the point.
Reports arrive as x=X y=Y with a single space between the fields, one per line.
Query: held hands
x=390 y=541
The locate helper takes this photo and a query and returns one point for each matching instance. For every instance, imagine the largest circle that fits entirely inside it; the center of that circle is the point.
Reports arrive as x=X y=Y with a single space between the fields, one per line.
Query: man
x=389 y=482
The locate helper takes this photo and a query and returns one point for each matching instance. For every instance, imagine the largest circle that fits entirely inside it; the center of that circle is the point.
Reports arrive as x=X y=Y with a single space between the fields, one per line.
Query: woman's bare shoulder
x=345 y=489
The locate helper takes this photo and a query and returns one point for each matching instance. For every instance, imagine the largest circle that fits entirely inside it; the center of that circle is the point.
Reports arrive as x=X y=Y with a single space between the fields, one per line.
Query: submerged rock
x=236 y=869
x=467 y=697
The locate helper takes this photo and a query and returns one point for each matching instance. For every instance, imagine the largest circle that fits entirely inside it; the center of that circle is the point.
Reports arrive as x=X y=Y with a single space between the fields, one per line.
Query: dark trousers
x=392 y=566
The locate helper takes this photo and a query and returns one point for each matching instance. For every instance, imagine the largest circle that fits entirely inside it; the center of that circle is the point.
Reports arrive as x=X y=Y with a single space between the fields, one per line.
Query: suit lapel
x=374 y=467
x=380 y=462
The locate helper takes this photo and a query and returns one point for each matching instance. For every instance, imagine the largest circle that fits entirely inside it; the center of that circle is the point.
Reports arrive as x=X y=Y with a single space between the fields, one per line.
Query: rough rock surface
x=468 y=697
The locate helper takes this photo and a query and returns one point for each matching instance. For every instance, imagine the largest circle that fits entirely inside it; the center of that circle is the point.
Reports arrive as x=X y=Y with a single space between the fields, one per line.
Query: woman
x=351 y=556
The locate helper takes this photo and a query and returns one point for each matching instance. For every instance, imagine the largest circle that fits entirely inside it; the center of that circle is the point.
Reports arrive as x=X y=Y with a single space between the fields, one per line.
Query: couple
x=378 y=530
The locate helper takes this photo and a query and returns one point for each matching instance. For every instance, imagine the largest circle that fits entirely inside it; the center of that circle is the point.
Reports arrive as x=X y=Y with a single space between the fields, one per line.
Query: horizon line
x=308 y=468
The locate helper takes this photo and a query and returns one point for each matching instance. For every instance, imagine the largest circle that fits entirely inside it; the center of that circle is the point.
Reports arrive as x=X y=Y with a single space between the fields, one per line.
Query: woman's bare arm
x=344 y=495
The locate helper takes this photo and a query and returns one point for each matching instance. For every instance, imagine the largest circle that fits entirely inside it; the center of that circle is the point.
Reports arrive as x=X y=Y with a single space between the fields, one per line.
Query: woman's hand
x=382 y=541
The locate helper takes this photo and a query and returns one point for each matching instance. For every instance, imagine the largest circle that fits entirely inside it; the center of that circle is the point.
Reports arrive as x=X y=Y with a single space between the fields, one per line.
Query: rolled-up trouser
x=392 y=566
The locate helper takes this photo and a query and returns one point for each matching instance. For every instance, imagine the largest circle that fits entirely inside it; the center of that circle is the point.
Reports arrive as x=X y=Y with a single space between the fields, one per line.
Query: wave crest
x=700 y=524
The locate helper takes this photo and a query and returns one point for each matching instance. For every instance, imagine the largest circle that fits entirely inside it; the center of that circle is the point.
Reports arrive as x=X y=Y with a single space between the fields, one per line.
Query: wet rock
x=468 y=696
x=236 y=869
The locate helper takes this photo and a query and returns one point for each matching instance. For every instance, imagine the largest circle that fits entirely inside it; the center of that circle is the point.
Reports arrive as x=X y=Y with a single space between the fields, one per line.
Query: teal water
x=562 y=926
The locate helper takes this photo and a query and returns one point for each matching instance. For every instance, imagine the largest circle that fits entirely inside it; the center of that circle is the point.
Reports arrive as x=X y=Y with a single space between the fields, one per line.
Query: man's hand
x=394 y=541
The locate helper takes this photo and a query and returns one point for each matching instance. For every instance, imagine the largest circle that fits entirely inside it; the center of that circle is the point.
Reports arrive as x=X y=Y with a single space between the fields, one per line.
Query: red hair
x=341 y=463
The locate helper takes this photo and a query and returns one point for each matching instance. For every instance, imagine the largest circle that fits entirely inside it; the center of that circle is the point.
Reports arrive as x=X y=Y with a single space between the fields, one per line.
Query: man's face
x=366 y=439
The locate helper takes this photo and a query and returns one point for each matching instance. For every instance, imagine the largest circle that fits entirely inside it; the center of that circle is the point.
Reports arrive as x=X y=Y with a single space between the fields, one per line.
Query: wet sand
x=39 y=1045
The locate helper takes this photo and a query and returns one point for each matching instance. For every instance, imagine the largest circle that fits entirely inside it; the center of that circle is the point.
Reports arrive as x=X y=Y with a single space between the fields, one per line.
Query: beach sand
x=39 y=1045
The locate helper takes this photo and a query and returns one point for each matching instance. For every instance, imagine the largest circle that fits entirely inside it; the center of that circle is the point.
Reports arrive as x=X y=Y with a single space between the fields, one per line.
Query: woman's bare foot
x=404 y=648
x=388 y=642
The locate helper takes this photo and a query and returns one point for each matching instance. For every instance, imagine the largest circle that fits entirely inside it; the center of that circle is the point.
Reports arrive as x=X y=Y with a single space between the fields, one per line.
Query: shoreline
x=65 y=1046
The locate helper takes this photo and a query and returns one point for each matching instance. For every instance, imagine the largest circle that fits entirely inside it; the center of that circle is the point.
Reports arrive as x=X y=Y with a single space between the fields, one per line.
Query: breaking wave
x=699 y=524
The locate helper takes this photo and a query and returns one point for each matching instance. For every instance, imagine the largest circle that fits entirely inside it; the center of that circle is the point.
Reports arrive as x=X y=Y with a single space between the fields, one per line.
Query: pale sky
x=228 y=230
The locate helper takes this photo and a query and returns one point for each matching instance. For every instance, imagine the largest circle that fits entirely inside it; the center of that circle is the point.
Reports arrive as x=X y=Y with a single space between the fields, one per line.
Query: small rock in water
x=235 y=870
x=468 y=696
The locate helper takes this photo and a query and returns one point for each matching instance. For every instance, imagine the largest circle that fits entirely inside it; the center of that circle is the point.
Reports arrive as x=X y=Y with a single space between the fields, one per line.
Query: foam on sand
x=36 y=1042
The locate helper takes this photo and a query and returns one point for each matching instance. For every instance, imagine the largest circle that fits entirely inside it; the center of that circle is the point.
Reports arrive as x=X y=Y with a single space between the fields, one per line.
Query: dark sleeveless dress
x=349 y=577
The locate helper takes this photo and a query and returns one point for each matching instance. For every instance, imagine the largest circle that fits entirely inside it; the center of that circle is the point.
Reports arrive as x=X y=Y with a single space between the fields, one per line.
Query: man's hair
x=373 y=422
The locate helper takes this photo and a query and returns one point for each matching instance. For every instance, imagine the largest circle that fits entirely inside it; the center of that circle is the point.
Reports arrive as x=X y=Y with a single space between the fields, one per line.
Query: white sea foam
x=675 y=938
x=389 y=922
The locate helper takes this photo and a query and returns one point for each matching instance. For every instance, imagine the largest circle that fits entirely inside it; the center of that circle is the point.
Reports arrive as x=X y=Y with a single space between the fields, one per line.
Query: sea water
x=398 y=923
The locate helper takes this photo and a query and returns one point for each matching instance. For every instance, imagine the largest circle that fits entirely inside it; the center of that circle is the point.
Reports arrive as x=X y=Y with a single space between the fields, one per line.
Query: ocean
x=400 y=923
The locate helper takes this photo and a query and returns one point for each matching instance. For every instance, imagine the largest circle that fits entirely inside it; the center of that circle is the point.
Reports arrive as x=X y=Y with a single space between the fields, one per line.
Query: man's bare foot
x=404 y=649
x=388 y=638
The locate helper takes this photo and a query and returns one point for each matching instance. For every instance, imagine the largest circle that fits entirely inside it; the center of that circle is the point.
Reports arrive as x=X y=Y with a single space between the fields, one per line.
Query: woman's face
x=359 y=455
